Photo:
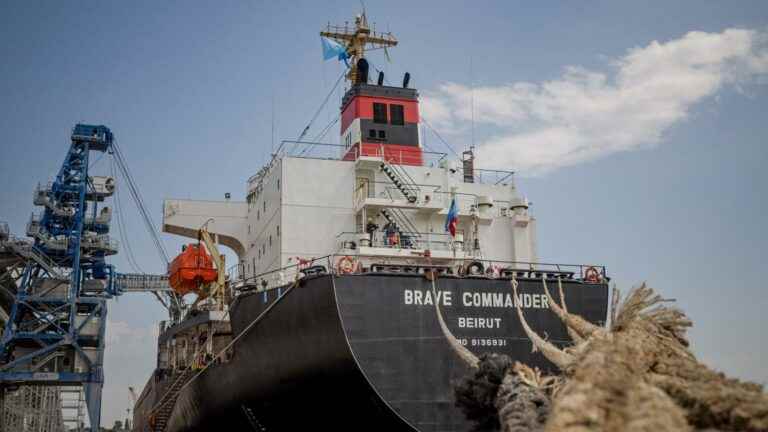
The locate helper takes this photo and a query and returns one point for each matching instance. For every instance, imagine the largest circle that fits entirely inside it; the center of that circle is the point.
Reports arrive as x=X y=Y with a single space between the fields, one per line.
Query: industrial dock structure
x=54 y=288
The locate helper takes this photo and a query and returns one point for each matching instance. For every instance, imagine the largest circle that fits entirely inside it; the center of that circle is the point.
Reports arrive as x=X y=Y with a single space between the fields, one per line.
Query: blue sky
x=187 y=88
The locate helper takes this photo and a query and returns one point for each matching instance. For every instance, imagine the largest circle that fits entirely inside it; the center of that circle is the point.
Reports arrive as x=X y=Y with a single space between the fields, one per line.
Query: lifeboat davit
x=191 y=269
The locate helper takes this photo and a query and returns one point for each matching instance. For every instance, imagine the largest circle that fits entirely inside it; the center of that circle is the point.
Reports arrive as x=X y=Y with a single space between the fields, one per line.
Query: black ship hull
x=365 y=352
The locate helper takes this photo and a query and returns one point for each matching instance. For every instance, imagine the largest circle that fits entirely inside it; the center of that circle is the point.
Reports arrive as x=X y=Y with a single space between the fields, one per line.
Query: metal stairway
x=29 y=251
x=402 y=223
x=162 y=412
x=407 y=186
x=402 y=181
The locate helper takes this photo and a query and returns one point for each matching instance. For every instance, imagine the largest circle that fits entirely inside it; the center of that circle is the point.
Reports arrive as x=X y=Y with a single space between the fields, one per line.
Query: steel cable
x=317 y=113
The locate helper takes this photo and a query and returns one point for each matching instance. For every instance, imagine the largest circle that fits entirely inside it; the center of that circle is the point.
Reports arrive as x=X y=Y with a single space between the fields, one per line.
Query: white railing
x=402 y=240
x=473 y=267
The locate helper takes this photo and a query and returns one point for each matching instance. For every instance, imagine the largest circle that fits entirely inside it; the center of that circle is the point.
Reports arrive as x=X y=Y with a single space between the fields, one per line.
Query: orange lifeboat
x=191 y=269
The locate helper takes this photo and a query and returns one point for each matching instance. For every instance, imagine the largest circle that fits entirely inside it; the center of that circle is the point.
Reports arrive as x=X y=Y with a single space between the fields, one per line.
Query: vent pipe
x=362 y=71
x=468 y=162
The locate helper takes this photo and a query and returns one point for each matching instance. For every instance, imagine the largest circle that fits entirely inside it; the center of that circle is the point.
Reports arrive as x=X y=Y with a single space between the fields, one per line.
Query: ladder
x=402 y=181
x=162 y=411
x=402 y=223
x=407 y=186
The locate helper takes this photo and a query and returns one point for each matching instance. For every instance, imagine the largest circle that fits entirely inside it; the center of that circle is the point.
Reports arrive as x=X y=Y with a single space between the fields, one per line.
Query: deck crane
x=55 y=330
x=217 y=288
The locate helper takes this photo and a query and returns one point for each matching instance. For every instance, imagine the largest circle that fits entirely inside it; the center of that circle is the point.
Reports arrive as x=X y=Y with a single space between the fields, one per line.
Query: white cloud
x=585 y=115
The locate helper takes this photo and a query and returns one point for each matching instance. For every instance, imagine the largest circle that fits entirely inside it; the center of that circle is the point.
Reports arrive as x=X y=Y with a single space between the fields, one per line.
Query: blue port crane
x=55 y=331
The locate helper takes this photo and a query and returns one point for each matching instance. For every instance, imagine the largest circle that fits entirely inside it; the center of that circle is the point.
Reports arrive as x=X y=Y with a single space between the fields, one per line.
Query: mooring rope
x=460 y=349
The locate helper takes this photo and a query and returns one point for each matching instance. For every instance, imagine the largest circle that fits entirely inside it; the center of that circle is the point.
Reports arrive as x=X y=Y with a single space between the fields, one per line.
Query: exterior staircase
x=162 y=411
x=29 y=251
x=402 y=223
x=402 y=181
x=407 y=186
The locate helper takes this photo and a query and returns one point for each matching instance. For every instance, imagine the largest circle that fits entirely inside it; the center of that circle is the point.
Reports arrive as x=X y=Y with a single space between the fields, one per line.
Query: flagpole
x=451 y=206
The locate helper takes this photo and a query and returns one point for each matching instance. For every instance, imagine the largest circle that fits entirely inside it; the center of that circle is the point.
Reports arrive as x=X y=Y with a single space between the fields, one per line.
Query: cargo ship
x=344 y=252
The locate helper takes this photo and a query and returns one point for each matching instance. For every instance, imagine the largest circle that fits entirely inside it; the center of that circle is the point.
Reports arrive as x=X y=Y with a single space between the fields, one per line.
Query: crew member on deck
x=391 y=232
x=371 y=228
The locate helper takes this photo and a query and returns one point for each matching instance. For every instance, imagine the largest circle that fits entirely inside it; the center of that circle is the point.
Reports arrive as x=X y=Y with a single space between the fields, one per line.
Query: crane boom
x=216 y=289
x=134 y=397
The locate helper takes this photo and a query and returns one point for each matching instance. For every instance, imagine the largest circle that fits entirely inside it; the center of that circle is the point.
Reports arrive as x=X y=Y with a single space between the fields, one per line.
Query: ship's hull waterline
x=365 y=352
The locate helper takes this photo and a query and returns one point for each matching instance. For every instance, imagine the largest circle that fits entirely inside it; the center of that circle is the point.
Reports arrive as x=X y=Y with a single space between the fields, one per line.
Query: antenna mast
x=357 y=40
x=472 y=101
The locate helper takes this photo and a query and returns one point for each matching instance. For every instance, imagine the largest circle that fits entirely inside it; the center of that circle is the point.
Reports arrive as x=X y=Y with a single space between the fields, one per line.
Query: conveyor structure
x=55 y=285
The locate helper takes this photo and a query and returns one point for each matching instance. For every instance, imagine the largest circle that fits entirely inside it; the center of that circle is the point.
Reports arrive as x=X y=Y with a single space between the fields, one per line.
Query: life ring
x=475 y=268
x=346 y=265
x=591 y=275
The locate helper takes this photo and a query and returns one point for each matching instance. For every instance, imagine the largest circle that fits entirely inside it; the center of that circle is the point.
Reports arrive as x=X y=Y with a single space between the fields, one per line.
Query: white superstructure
x=307 y=206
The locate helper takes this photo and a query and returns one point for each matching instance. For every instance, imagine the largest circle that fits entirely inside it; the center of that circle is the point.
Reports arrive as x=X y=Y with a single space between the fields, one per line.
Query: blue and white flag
x=333 y=49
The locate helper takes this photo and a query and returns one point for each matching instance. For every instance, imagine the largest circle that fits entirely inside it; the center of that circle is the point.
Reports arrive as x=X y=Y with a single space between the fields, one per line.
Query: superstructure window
x=372 y=133
x=382 y=134
x=396 y=115
x=379 y=113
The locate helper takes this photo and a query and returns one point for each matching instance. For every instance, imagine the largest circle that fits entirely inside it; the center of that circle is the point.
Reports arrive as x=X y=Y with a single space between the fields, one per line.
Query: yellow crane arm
x=218 y=261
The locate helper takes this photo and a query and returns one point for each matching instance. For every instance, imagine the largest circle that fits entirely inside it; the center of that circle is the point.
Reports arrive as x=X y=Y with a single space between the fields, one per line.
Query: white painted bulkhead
x=300 y=207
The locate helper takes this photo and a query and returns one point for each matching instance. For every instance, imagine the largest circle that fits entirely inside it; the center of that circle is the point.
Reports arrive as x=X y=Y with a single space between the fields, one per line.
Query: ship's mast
x=357 y=39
